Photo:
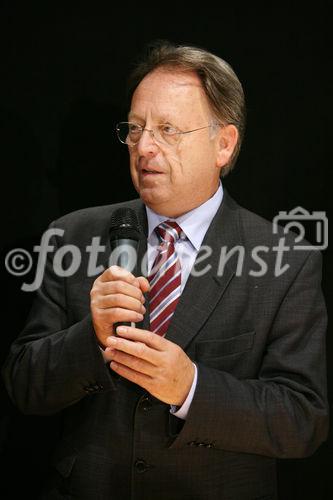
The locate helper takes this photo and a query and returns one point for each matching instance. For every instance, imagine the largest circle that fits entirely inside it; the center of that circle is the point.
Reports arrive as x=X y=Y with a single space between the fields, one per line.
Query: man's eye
x=134 y=129
x=168 y=130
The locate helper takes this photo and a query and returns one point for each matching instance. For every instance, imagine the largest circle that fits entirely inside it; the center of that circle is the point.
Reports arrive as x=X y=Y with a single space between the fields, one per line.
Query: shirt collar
x=194 y=223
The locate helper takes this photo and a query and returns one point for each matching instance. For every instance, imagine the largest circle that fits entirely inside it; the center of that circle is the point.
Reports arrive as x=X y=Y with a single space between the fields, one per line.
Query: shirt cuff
x=182 y=411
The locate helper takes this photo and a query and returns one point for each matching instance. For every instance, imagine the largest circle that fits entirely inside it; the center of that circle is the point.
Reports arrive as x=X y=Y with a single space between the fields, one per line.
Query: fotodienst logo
x=298 y=220
x=310 y=232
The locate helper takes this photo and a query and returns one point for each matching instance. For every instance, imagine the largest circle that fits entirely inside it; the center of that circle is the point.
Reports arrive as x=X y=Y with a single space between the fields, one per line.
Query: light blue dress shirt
x=194 y=225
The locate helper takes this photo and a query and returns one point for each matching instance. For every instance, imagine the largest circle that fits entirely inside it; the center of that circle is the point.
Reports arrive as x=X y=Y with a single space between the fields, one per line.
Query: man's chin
x=153 y=199
x=152 y=195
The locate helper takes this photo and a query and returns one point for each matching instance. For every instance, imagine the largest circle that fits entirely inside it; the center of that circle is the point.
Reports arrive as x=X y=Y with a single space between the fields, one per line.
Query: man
x=225 y=370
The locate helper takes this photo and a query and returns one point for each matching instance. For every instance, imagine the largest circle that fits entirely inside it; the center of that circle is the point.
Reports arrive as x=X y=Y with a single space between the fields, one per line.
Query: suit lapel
x=202 y=294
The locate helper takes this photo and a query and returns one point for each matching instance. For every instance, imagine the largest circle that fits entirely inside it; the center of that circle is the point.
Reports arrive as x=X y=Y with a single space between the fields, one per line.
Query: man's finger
x=137 y=349
x=131 y=375
x=139 y=365
x=119 y=300
x=149 y=338
x=119 y=273
x=110 y=287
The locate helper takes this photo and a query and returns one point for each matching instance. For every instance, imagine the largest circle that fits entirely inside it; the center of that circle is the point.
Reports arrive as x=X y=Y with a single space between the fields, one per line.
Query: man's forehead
x=165 y=94
x=173 y=77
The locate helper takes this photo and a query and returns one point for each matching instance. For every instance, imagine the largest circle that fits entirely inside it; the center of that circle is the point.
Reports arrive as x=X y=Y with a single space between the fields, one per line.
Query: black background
x=62 y=91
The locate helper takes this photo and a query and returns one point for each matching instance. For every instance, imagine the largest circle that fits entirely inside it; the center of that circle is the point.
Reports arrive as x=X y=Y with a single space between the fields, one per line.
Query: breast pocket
x=224 y=353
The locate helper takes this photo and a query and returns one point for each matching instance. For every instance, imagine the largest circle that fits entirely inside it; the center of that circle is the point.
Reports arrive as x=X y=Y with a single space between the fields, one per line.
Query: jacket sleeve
x=53 y=364
x=284 y=411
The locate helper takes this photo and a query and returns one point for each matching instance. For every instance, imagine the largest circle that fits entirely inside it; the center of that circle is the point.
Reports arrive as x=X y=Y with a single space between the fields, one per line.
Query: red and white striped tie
x=165 y=278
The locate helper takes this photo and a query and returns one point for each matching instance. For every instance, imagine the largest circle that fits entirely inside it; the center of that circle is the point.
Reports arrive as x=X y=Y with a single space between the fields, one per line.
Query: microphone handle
x=125 y=257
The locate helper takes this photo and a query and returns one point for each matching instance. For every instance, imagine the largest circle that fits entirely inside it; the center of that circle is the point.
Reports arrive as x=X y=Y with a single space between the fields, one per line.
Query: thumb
x=144 y=284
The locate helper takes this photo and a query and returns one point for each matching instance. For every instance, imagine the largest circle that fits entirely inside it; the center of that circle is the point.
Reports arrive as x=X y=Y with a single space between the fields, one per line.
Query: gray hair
x=220 y=83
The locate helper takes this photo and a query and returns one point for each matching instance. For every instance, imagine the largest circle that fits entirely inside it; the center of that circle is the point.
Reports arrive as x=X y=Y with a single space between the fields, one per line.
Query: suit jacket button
x=146 y=403
x=141 y=466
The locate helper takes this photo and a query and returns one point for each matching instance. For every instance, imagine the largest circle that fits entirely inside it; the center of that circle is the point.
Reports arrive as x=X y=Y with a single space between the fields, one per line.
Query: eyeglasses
x=130 y=133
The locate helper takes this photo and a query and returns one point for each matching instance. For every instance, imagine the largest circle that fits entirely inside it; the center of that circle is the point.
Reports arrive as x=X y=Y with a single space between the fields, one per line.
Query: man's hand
x=153 y=362
x=116 y=295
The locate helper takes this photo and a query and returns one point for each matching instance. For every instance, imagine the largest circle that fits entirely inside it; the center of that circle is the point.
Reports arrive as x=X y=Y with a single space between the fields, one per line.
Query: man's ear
x=226 y=142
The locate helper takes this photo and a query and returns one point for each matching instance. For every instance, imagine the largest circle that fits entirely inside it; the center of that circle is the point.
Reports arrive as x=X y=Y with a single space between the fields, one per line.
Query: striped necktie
x=165 y=278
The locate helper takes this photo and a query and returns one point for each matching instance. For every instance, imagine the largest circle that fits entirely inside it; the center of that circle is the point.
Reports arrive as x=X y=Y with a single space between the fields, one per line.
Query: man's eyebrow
x=161 y=118
x=133 y=116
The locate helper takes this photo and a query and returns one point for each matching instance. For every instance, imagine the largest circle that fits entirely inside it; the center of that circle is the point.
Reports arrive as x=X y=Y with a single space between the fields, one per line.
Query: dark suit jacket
x=259 y=346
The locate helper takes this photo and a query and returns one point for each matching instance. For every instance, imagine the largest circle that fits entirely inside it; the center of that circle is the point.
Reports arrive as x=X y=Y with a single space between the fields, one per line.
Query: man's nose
x=147 y=143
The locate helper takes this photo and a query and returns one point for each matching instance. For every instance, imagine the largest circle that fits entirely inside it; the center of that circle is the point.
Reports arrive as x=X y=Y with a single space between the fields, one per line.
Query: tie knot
x=168 y=231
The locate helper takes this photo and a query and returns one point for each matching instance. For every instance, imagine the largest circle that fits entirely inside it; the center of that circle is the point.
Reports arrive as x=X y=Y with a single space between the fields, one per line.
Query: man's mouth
x=145 y=171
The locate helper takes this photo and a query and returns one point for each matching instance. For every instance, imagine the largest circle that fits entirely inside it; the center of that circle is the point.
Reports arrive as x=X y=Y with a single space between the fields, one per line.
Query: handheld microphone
x=124 y=235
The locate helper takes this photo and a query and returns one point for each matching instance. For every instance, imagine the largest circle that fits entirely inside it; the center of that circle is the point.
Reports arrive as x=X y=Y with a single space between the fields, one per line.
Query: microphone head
x=124 y=224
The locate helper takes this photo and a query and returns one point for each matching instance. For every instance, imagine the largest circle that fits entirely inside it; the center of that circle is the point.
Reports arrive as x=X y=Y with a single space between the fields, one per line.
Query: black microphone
x=125 y=233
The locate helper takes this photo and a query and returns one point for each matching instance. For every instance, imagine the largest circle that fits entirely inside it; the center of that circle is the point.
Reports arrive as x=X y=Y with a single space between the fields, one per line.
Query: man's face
x=172 y=180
